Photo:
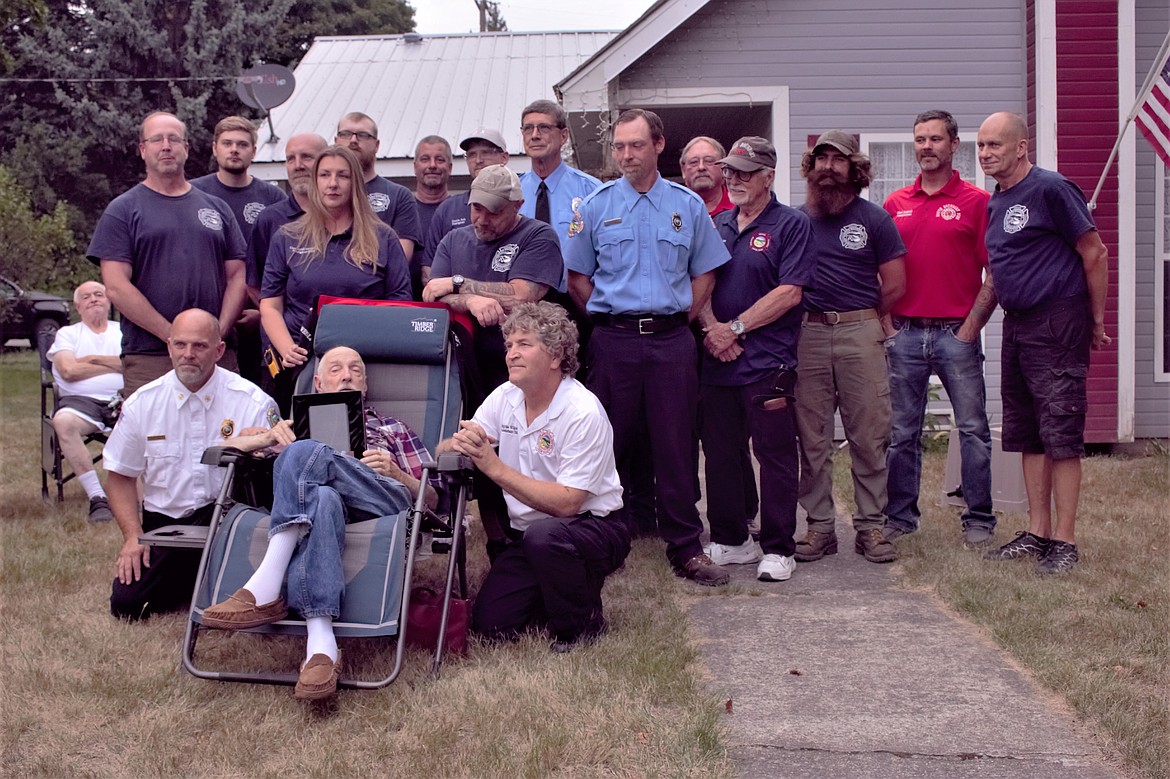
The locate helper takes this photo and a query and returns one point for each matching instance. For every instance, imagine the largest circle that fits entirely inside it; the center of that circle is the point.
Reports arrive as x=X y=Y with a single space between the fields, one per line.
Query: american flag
x=1153 y=118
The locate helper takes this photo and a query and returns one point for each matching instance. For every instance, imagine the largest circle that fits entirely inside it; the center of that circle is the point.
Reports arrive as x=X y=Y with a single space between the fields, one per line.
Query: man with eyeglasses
x=642 y=259
x=483 y=148
x=860 y=273
x=752 y=325
x=165 y=247
x=392 y=202
x=702 y=175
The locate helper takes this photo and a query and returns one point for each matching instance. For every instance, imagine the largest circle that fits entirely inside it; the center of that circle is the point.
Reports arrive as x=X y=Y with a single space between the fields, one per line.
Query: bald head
x=299 y=154
x=195 y=346
x=341 y=368
x=1003 y=148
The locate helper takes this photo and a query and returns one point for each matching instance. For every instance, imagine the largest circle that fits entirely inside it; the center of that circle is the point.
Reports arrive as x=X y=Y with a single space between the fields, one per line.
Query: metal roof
x=417 y=85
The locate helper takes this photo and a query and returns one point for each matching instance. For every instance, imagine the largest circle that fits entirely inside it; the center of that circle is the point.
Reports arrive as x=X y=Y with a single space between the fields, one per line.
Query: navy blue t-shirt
x=849 y=248
x=452 y=213
x=772 y=252
x=287 y=275
x=1032 y=233
x=270 y=220
x=530 y=251
x=176 y=247
x=247 y=203
x=395 y=205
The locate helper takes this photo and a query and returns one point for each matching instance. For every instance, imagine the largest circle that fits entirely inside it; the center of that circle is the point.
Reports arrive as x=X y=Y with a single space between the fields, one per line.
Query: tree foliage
x=311 y=18
x=38 y=251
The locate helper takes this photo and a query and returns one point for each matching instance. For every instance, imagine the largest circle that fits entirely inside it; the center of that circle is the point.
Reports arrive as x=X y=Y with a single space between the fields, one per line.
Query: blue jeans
x=318 y=488
x=913 y=354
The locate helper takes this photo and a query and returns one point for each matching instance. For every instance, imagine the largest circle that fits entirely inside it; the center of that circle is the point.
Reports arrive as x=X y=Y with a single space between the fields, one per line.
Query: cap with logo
x=495 y=187
x=751 y=153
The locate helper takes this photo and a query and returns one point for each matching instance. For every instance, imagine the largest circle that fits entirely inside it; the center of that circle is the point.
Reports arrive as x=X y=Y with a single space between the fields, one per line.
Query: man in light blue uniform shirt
x=641 y=257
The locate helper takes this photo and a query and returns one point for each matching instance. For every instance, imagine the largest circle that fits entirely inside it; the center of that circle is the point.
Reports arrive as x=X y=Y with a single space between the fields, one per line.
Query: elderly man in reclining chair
x=314 y=489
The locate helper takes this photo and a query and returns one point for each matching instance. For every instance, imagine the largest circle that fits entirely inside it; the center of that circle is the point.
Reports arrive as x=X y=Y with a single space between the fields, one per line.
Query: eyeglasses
x=545 y=129
x=740 y=175
x=362 y=135
x=173 y=140
x=632 y=146
x=693 y=162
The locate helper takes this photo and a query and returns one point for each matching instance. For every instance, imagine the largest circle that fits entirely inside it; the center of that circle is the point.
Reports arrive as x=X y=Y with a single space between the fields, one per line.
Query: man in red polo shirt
x=703 y=176
x=934 y=328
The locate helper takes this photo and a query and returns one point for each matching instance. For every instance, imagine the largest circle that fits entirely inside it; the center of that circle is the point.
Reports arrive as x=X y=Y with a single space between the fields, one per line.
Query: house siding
x=854 y=75
x=1086 y=114
x=1151 y=398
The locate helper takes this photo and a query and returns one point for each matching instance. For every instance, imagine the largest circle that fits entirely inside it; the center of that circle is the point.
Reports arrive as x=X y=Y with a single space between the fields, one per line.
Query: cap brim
x=489 y=200
x=742 y=163
x=846 y=151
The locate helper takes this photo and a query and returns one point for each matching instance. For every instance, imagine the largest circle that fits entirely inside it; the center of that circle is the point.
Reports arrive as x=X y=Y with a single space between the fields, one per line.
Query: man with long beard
x=860 y=272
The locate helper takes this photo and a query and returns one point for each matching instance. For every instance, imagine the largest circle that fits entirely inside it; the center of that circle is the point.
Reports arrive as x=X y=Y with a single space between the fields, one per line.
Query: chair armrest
x=223 y=456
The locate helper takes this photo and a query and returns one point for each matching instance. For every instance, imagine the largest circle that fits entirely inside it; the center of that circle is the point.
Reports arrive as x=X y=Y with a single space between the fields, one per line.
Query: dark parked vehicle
x=29 y=314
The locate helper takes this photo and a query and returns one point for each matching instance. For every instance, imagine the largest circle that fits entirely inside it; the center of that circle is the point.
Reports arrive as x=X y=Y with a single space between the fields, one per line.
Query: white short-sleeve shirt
x=571 y=443
x=85 y=342
x=164 y=429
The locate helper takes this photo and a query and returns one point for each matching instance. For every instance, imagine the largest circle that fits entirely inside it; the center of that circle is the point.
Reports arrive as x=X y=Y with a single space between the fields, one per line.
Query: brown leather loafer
x=815 y=545
x=318 y=678
x=240 y=612
x=701 y=570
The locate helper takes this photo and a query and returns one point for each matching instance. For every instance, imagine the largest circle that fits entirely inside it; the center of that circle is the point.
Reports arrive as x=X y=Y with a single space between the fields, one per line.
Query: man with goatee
x=860 y=272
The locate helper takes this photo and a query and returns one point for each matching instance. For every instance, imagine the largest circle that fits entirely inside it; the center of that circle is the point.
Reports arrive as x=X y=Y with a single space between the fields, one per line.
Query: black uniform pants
x=167 y=584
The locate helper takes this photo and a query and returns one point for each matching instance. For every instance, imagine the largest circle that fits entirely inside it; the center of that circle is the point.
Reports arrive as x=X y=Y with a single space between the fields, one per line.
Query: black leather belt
x=643 y=324
x=926 y=322
x=840 y=317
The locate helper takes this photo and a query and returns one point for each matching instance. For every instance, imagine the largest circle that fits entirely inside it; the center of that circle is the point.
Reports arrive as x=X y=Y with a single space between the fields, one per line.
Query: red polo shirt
x=725 y=204
x=945 y=250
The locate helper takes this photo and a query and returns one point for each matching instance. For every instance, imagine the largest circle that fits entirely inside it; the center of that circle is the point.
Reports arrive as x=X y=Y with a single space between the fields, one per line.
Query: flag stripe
x=1153 y=119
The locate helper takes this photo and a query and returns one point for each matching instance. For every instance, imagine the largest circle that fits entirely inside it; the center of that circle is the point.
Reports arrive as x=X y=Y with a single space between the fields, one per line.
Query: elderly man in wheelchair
x=315 y=491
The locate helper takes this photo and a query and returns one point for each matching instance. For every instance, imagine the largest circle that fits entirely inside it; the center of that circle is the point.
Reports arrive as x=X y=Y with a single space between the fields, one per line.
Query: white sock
x=266 y=582
x=321 y=638
x=93 y=486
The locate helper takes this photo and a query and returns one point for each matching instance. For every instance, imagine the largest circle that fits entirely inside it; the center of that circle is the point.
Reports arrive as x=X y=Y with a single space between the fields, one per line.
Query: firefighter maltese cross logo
x=949 y=212
x=379 y=201
x=854 y=237
x=504 y=256
x=1015 y=219
x=210 y=218
x=761 y=241
x=545 y=443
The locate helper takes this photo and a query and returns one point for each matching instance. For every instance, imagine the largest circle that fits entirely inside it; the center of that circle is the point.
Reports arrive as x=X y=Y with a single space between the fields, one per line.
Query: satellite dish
x=265 y=86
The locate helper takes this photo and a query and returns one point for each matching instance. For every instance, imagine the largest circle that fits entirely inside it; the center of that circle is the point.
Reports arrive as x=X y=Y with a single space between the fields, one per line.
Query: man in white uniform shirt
x=164 y=428
x=557 y=470
x=88 y=373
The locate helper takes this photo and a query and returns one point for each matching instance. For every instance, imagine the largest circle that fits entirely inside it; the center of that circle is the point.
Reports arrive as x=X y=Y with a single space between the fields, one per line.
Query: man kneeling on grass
x=315 y=490
x=556 y=468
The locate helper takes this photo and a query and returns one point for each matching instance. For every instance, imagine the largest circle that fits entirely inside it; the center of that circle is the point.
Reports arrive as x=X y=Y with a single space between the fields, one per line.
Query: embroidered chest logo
x=252 y=211
x=502 y=260
x=576 y=224
x=210 y=218
x=226 y=428
x=949 y=212
x=379 y=201
x=854 y=237
x=761 y=241
x=676 y=221
x=903 y=213
x=509 y=429
x=545 y=444
x=422 y=325
x=1015 y=219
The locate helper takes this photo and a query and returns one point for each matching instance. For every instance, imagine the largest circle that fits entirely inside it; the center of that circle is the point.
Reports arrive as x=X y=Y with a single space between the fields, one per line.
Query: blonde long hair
x=312 y=232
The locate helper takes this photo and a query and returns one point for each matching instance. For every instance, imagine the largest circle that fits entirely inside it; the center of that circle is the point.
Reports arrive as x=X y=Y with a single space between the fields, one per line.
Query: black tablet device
x=333 y=418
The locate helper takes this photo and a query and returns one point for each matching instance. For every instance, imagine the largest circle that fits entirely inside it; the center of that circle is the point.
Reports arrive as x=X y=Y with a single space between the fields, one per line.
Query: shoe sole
x=812 y=558
x=883 y=559
x=767 y=577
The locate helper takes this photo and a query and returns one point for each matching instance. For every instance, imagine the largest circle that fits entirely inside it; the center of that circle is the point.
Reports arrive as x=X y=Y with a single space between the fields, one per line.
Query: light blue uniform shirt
x=643 y=250
x=567 y=188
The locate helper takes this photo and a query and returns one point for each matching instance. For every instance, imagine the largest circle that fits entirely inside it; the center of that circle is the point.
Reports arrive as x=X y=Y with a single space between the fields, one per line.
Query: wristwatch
x=736 y=327
x=456 y=282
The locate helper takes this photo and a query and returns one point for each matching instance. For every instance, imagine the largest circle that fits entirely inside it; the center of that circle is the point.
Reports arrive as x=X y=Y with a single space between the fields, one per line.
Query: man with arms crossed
x=1052 y=278
x=934 y=328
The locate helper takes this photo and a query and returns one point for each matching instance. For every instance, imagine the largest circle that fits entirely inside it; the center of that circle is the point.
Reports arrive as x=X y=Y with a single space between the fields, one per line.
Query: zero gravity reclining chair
x=412 y=375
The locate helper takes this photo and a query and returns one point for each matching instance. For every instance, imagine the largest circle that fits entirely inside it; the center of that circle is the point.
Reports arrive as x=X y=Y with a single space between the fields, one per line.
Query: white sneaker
x=775 y=568
x=722 y=554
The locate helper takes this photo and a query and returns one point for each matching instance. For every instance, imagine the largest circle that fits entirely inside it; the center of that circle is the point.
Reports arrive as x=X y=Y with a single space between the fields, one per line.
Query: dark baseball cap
x=840 y=140
x=751 y=153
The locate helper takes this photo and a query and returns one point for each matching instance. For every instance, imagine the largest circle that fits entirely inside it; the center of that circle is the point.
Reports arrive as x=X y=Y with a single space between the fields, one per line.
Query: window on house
x=894 y=165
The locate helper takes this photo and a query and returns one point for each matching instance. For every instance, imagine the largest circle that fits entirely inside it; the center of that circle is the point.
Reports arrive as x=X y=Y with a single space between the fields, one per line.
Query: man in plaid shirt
x=315 y=489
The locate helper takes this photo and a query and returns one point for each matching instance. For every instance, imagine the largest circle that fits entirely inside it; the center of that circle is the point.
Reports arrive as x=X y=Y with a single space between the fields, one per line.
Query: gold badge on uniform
x=676 y=221
x=273 y=416
x=226 y=428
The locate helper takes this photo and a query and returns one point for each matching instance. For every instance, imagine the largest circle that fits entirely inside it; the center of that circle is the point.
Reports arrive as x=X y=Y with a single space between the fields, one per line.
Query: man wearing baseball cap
x=483 y=147
x=860 y=272
x=752 y=324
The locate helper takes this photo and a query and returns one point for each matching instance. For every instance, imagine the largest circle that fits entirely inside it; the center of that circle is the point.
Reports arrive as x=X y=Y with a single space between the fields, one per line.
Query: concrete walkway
x=837 y=673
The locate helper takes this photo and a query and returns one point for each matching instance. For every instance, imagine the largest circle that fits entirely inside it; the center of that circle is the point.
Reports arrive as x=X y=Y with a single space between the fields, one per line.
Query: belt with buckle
x=840 y=317
x=643 y=324
x=926 y=322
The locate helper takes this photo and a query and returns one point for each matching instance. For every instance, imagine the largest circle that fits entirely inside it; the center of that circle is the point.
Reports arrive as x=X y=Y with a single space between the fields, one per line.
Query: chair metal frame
x=52 y=461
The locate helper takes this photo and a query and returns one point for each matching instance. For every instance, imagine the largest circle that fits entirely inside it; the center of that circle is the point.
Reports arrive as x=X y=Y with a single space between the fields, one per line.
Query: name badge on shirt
x=612 y=222
x=156 y=438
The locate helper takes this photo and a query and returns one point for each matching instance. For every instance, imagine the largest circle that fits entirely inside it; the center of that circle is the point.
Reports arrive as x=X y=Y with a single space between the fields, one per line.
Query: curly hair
x=860 y=168
x=551 y=323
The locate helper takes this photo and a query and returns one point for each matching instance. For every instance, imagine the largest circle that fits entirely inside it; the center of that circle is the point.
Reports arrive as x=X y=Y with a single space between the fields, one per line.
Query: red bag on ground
x=424 y=615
